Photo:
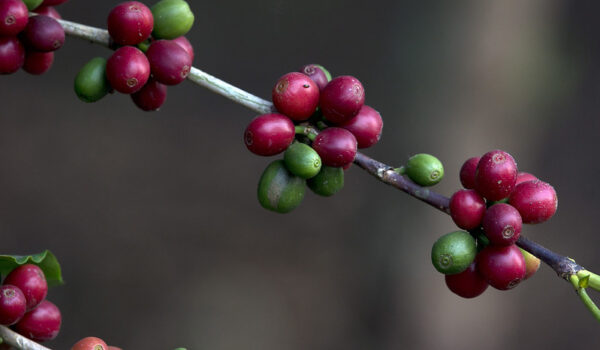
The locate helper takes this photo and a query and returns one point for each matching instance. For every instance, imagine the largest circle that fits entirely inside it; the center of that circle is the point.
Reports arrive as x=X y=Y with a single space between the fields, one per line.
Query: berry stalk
x=18 y=341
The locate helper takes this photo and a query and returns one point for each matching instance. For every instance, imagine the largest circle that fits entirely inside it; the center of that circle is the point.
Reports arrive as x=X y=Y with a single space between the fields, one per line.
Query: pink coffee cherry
x=170 y=63
x=467 y=284
x=31 y=281
x=151 y=97
x=295 y=95
x=496 y=175
x=187 y=46
x=341 y=99
x=43 y=33
x=335 y=146
x=523 y=177
x=269 y=134
x=13 y=17
x=130 y=23
x=127 y=70
x=536 y=201
x=12 y=55
x=41 y=323
x=503 y=267
x=12 y=304
x=467 y=209
x=49 y=11
x=502 y=224
x=366 y=126
x=467 y=172
x=37 y=63
x=315 y=72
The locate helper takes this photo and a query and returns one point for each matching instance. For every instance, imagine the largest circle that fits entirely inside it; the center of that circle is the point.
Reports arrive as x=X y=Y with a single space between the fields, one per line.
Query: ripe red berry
x=12 y=304
x=335 y=146
x=13 y=17
x=187 y=46
x=37 y=63
x=90 y=343
x=151 y=96
x=536 y=201
x=295 y=95
x=317 y=74
x=32 y=282
x=366 y=126
x=341 y=99
x=43 y=33
x=49 y=11
x=496 y=175
x=170 y=63
x=269 y=134
x=467 y=208
x=467 y=284
x=502 y=224
x=130 y=23
x=127 y=70
x=503 y=267
x=523 y=177
x=12 y=55
x=467 y=172
x=41 y=323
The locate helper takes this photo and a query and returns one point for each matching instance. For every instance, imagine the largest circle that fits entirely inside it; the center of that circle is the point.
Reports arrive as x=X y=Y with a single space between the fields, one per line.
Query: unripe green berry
x=279 y=190
x=327 y=182
x=302 y=160
x=172 y=19
x=453 y=252
x=424 y=169
x=91 y=83
x=32 y=4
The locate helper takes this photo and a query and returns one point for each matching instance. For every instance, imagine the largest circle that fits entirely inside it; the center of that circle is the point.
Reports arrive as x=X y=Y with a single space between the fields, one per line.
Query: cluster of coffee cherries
x=493 y=206
x=93 y=343
x=319 y=124
x=24 y=307
x=152 y=53
x=29 y=42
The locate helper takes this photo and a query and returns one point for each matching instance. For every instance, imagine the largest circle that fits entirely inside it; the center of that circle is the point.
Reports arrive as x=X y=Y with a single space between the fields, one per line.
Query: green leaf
x=45 y=260
x=584 y=281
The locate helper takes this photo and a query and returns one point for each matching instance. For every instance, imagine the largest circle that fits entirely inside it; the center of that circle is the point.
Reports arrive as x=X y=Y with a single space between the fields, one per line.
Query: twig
x=18 y=341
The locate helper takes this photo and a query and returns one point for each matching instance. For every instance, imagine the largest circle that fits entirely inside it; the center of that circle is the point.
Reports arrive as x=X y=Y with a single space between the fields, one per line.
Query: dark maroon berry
x=13 y=17
x=53 y=2
x=467 y=208
x=130 y=23
x=503 y=267
x=170 y=63
x=536 y=201
x=128 y=70
x=41 y=323
x=43 y=33
x=317 y=74
x=496 y=175
x=502 y=224
x=365 y=126
x=269 y=134
x=341 y=99
x=37 y=63
x=335 y=146
x=32 y=282
x=467 y=172
x=151 y=96
x=523 y=177
x=467 y=284
x=49 y=11
x=296 y=95
x=12 y=304
x=12 y=55
x=187 y=46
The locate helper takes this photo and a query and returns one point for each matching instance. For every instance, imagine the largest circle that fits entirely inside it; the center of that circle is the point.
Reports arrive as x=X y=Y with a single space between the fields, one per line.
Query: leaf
x=584 y=281
x=45 y=260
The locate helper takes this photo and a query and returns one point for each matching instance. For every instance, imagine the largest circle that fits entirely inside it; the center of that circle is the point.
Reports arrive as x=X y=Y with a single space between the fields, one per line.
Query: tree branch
x=18 y=341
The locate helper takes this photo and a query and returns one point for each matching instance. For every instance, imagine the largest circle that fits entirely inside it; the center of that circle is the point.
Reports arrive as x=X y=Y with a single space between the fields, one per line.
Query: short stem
x=307 y=131
x=400 y=170
x=585 y=298
x=594 y=279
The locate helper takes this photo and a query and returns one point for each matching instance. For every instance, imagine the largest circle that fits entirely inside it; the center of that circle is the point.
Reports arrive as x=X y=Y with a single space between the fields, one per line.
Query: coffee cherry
x=327 y=182
x=496 y=175
x=524 y=177
x=502 y=224
x=151 y=96
x=33 y=4
x=41 y=323
x=341 y=99
x=172 y=19
x=467 y=172
x=296 y=96
x=279 y=190
x=31 y=281
x=424 y=169
x=90 y=343
x=453 y=252
x=127 y=70
x=130 y=23
x=53 y=2
x=12 y=55
x=532 y=263
x=336 y=146
x=503 y=267
x=301 y=160
x=49 y=11
x=187 y=46
x=467 y=208
x=12 y=304
x=536 y=201
x=43 y=33
x=13 y=17
x=317 y=73
x=269 y=134
x=365 y=126
x=467 y=284
x=170 y=63
x=91 y=83
x=37 y=63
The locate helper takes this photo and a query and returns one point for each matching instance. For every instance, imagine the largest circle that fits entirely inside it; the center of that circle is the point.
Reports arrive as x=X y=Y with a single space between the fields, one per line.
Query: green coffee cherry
x=302 y=160
x=327 y=182
x=424 y=169
x=453 y=252
x=32 y=4
x=327 y=74
x=172 y=19
x=279 y=190
x=91 y=83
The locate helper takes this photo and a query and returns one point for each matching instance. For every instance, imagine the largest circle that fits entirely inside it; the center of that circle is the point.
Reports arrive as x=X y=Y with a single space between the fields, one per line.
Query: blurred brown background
x=154 y=217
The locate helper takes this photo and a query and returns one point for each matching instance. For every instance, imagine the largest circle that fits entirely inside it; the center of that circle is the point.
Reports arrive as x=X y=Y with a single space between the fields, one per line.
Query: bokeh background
x=154 y=217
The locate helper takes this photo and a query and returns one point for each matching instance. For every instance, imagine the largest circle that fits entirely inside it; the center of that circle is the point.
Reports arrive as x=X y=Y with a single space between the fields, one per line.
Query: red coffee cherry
x=467 y=208
x=90 y=343
x=43 y=33
x=524 y=177
x=37 y=63
x=151 y=96
x=496 y=175
x=536 y=201
x=128 y=70
x=49 y=11
x=341 y=99
x=12 y=55
x=13 y=17
x=467 y=284
x=130 y=23
x=41 y=323
x=502 y=224
x=187 y=46
x=269 y=134
x=170 y=63
x=503 y=267
x=467 y=172
x=335 y=146
x=317 y=74
x=31 y=281
x=366 y=126
x=295 y=95
x=12 y=304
